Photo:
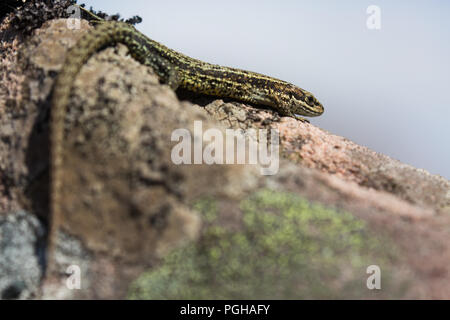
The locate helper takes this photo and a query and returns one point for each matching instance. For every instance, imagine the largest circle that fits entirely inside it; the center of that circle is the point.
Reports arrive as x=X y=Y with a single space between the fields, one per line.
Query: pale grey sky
x=385 y=89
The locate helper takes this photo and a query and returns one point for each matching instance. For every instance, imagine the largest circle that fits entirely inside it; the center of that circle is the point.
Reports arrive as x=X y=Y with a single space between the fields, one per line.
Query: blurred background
x=386 y=89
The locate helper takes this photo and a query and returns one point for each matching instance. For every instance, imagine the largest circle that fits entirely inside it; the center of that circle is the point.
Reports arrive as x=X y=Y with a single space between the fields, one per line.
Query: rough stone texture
x=11 y=79
x=316 y=148
x=126 y=205
x=21 y=252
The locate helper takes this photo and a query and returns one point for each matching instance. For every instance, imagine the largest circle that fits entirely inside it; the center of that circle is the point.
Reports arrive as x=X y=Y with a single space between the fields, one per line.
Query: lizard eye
x=296 y=96
x=309 y=100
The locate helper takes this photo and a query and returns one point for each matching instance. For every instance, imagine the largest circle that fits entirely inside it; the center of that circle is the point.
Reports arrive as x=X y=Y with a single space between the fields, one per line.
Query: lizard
x=173 y=68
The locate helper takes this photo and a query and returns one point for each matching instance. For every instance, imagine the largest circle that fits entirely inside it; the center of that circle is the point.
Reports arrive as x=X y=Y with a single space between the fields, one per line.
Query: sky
x=386 y=89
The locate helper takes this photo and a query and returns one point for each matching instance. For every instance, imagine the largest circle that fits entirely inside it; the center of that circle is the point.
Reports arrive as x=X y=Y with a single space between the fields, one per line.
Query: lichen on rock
x=286 y=248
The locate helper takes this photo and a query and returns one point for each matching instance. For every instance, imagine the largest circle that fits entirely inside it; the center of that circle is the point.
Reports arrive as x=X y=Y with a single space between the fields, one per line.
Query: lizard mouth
x=310 y=111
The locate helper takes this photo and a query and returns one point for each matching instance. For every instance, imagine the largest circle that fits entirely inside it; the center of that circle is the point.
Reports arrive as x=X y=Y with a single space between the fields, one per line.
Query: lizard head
x=302 y=102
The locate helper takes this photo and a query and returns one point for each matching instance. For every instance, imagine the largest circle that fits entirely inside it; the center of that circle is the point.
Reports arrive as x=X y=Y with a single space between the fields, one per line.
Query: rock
x=22 y=255
x=285 y=248
x=316 y=148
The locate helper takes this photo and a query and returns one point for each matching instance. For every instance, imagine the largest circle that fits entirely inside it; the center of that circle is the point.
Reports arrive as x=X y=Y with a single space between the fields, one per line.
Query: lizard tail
x=93 y=41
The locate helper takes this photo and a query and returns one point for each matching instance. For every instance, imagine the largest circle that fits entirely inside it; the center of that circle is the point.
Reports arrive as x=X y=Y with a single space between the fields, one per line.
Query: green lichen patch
x=287 y=248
